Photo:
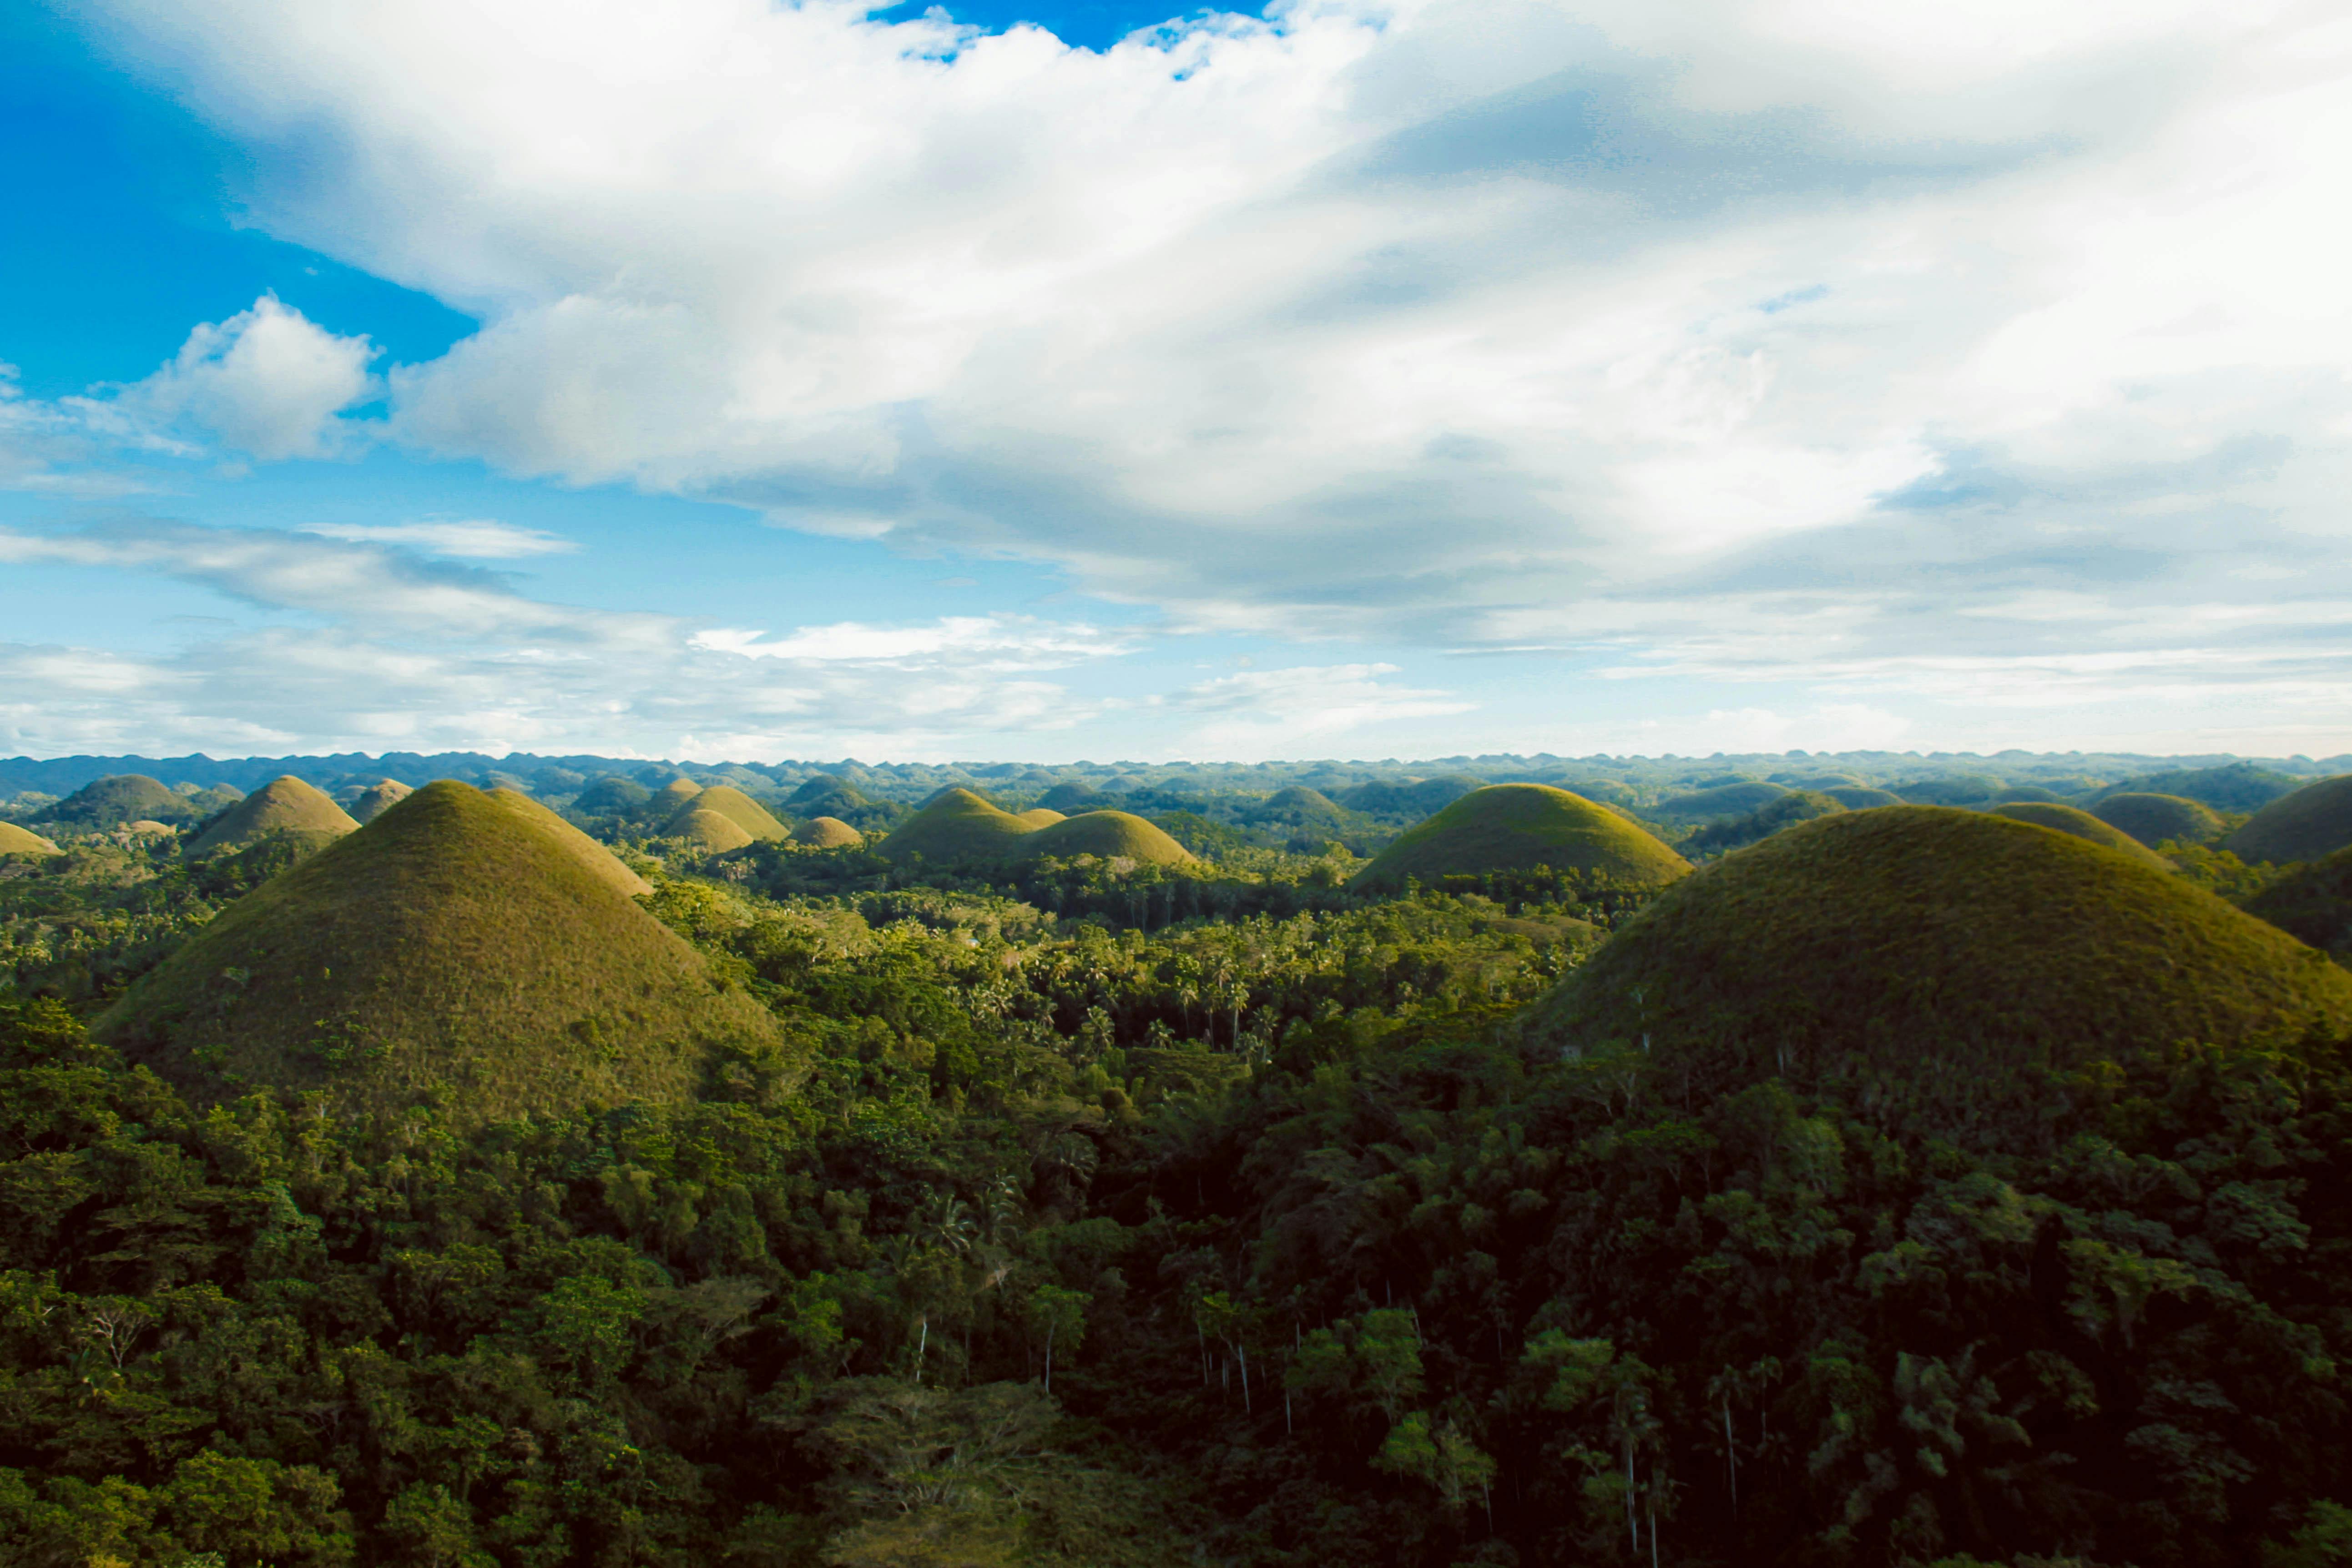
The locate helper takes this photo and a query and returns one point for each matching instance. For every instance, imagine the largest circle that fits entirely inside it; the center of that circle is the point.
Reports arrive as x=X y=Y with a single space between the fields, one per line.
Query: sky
x=729 y=378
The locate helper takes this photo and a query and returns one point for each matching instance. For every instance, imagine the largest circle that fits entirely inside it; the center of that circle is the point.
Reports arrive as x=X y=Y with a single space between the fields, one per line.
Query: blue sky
x=1360 y=379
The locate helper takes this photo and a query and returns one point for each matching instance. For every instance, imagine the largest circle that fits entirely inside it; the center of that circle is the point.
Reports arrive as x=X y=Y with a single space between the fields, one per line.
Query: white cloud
x=475 y=540
x=984 y=642
x=267 y=381
x=1265 y=713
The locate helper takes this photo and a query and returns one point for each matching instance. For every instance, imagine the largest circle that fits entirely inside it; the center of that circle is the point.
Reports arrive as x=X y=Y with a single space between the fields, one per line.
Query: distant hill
x=2314 y=822
x=1038 y=817
x=1952 y=789
x=2027 y=794
x=2155 y=819
x=1518 y=827
x=827 y=833
x=1717 y=801
x=2312 y=904
x=611 y=796
x=673 y=795
x=16 y=840
x=1073 y=797
x=1855 y=797
x=123 y=797
x=726 y=801
x=451 y=951
x=1772 y=816
x=2240 y=786
x=957 y=825
x=590 y=856
x=706 y=830
x=2084 y=825
x=1416 y=799
x=377 y=798
x=1108 y=834
x=829 y=795
x=1938 y=969
x=283 y=807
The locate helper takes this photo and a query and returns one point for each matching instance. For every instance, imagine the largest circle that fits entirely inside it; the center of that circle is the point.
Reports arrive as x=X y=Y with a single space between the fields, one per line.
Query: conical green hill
x=706 y=830
x=16 y=840
x=2083 y=826
x=378 y=798
x=1074 y=795
x=123 y=798
x=823 y=787
x=285 y=806
x=1722 y=800
x=674 y=793
x=1039 y=816
x=2312 y=904
x=593 y=858
x=611 y=794
x=452 y=950
x=1109 y=834
x=2313 y=823
x=827 y=833
x=956 y=826
x=2155 y=819
x=1933 y=967
x=750 y=817
x=1518 y=828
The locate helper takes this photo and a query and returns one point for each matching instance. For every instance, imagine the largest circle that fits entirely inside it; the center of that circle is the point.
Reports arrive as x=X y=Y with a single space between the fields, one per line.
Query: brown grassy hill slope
x=2084 y=825
x=956 y=826
x=378 y=798
x=2313 y=823
x=706 y=830
x=451 y=951
x=1939 y=967
x=16 y=840
x=593 y=858
x=1109 y=834
x=827 y=833
x=123 y=798
x=1518 y=828
x=749 y=815
x=285 y=806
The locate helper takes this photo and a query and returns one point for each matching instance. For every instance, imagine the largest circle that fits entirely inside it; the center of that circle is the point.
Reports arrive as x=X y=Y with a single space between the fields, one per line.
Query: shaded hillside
x=1520 y=827
x=2158 y=819
x=2314 y=822
x=452 y=952
x=2312 y=904
x=122 y=798
x=1940 y=969
x=284 y=806
x=2082 y=824
x=613 y=796
x=1719 y=800
x=1072 y=797
x=378 y=798
x=1412 y=800
x=2240 y=786
x=1854 y=798
x=1797 y=806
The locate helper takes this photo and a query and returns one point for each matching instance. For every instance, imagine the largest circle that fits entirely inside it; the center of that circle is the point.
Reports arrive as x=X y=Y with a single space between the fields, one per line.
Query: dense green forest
x=1102 y=1216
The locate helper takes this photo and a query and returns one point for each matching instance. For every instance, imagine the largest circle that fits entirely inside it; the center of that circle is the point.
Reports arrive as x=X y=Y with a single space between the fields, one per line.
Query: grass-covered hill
x=1860 y=797
x=672 y=796
x=1520 y=828
x=827 y=833
x=2082 y=824
x=1038 y=817
x=1719 y=802
x=16 y=840
x=2156 y=820
x=284 y=806
x=1936 y=968
x=2236 y=786
x=2313 y=903
x=378 y=798
x=1783 y=811
x=1414 y=799
x=119 y=799
x=2313 y=823
x=1073 y=795
x=591 y=857
x=613 y=796
x=1952 y=789
x=726 y=801
x=707 y=831
x=453 y=951
x=1108 y=834
x=956 y=826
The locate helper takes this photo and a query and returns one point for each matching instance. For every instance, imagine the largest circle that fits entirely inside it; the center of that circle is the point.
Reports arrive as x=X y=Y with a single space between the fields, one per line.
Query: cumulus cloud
x=267 y=381
x=479 y=538
x=1748 y=334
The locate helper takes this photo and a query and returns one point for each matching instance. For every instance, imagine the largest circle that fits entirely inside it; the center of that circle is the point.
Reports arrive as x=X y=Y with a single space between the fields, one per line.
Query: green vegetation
x=706 y=830
x=2156 y=820
x=1038 y=817
x=1943 y=972
x=284 y=805
x=613 y=796
x=1784 y=810
x=1506 y=829
x=1112 y=835
x=1073 y=797
x=378 y=971
x=2082 y=824
x=2314 y=822
x=1855 y=798
x=1952 y=789
x=668 y=799
x=749 y=815
x=2240 y=786
x=827 y=833
x=1719 y=801
x=378 y=798
x=123 y=797
x=592 y=856
x=2312 y=903
x=956 y=826
x=16 y=840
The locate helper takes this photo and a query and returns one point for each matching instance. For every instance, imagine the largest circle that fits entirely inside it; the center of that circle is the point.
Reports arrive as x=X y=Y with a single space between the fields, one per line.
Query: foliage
x=2314 y=822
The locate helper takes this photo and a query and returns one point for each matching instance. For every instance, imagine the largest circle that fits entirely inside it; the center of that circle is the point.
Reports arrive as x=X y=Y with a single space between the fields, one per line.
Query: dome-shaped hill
x=823 y=787
x=1038 y=817
x=1518 y=828
x=2084 y=825
x=2240 y=786
x=1418 y=798
x=377 y=799
x=16 y=840
x=1071 y=795
x=1109 y=834
x=119 y=799
x=611 y=796
x=2313 y=823
x=2028 y=795
x=592 y=856
x=2312 y=904
x=956 y=826
x=725 y=800
x=452 y=949
x=284 y=806
x=827 y=833
x=1861 y=797
x=1933 y=966
x=1299 y=797
x=674 y=793
x=706 y=830
x=1953 y=789
x=2155 y=819
x=1719 y=800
